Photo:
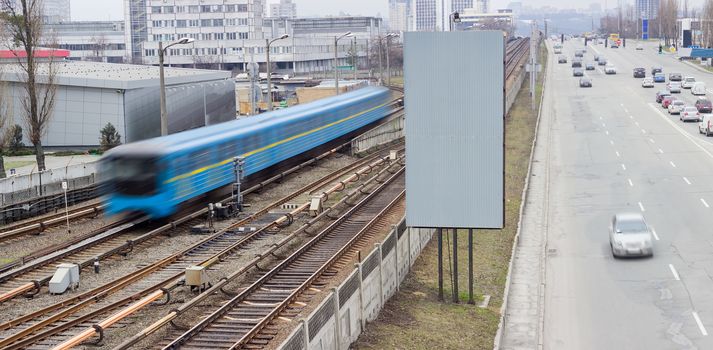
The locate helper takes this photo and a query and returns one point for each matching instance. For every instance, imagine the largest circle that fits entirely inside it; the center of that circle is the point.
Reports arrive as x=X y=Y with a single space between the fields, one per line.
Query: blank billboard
x=455 y=109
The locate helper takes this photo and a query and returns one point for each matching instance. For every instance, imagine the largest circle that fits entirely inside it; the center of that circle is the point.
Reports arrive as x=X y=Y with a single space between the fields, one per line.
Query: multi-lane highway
x=613 y=149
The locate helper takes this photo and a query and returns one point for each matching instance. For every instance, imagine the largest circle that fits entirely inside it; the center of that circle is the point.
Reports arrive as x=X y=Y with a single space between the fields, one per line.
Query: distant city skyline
x=87 y=10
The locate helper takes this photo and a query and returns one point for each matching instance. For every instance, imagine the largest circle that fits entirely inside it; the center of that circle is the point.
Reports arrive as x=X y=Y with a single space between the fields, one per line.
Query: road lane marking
x=630 y=183
x=674 y=272
x=617 y=154
x=699 y=323
x=641 y=206
x=623 y=166
x=636 y=123
x=604 y=125
x=656 y=237
x=611 y=142
x=705 y=203
x=643 y=131
x=682 y=132
x=606 y=132
x=672 y=163
x=660 y=151
x=686 y=179
x=652 y=140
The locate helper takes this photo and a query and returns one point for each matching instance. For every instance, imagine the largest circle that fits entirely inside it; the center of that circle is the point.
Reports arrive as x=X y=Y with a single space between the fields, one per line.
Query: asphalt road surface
x=614 y=149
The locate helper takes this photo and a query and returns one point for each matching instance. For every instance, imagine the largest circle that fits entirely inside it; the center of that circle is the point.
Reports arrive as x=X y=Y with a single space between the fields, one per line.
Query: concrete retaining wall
x=340 y=318
x=380 y=135
x=23 y=188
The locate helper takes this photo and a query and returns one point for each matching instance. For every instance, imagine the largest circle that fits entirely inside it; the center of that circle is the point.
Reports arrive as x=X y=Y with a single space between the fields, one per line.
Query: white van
x=705 y=126
x=699 y=88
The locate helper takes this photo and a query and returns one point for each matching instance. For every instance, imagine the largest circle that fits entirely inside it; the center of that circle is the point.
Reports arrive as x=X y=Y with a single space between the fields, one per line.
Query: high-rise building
x=398 y=15
x=647 y=9
x=482 y=6
x=215 y=25
x=434 y=15
x=285 y=8
x=53 y=11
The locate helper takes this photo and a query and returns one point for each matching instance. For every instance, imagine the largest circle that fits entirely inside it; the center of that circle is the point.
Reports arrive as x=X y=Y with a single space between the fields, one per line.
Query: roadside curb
x=696 y=66
x=506 y=294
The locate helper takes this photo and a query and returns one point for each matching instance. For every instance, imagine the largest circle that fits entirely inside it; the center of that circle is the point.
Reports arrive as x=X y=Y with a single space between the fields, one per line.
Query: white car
x=705 y=126
x=629 y=235
x=689 y=114
x=699 y=88
x=676 y=107
x=639 y=47
x=647 y=82
x=688 y=82
x=674 y=87
x=610 y=69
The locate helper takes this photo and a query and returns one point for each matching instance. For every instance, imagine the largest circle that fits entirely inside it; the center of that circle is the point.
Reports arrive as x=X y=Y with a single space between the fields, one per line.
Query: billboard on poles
x=455 y=111
x=645 y=29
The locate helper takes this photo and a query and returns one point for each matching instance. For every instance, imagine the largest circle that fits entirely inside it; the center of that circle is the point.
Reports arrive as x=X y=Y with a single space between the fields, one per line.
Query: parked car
x=576 y=62
x=704 y=105
x=578 y=72
x=699 y=88
x=688 y=82
x=667 y=101
x=689 y=114
x=610 y=69
x=659 y=78
x=705 y=126
x=562 y=59
x=585 y=82
x=676 y=107
x=589 y=66
x=675 y=77
x=639 y=72
x=661 y=94
x=629 y=235
x=656 y=69
x=674 y=87
x=647 y=82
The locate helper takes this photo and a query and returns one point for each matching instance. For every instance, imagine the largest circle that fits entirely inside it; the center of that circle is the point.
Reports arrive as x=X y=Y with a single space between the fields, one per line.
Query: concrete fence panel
x=322 y=326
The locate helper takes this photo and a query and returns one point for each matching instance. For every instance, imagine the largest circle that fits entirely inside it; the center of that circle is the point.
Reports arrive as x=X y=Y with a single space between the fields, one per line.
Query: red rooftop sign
x=39 y=53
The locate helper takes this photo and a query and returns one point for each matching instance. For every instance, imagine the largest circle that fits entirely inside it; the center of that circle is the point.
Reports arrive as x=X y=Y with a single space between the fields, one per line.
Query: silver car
x=674 y=87
x=676 y=107
x=630 y=236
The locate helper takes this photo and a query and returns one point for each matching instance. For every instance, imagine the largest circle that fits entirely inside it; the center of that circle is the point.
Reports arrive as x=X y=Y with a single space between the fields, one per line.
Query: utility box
x=66 y=277
x=196 y=276
x=315 y=205
x=393 y=155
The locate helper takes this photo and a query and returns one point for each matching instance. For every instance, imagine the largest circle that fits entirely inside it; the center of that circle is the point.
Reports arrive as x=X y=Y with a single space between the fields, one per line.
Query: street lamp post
x=161 y=51
x=336 y=58
x=269 y=81
x=388 y=50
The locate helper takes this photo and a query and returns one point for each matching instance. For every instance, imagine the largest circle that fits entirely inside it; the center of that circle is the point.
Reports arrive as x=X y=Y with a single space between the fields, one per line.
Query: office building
x=434 y=15
x=53 y=11
x=647 y=9
x=399 y=15
x=217 y=26
x=99 y=41
x=285 y=8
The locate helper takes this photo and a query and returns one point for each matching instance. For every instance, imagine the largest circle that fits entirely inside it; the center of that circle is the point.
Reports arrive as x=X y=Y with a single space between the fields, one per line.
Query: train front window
x=134 y=176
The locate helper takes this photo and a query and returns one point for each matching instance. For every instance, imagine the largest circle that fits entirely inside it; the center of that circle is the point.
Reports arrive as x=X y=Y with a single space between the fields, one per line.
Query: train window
x=134 y=176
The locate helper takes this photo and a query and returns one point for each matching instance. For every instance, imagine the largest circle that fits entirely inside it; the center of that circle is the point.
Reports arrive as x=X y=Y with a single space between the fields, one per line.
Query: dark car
x=602 y=61
x=562 y=59
x=655 y=70
x=578 y=72
x=675 y=77
x=661 y=94
x=585 y=82
x=597 y=57
x=639 y=73
x=704 y=105
x=577 y=62
x=579 y=53
x=589 y=66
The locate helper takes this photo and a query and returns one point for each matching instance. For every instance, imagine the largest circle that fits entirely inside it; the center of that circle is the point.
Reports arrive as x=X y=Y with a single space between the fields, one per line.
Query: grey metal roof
x=114 y=75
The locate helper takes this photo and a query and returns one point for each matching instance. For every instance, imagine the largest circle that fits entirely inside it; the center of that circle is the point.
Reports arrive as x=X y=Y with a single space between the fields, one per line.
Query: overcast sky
x=83 y=10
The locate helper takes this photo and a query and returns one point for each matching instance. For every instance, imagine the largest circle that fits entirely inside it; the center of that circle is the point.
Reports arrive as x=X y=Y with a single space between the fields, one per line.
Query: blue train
x=156 y=176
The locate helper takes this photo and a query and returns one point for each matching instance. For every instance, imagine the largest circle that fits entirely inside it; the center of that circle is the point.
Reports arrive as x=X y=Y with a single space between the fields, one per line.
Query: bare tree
x=23 y=21
x=707 y=23
x=100 y=44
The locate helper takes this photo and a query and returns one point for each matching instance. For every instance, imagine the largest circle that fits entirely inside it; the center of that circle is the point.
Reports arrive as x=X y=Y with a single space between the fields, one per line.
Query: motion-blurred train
x=156 y=176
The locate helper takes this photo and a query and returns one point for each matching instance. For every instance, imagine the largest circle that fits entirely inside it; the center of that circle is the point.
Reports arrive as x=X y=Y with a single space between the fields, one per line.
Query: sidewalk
x=24 y=165
x=523 y=320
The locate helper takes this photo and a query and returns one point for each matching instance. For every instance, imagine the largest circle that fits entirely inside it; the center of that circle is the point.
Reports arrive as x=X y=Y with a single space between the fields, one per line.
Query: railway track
x=40 y=224
x=244 y=321
x=515 y=51
x=58 y=320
